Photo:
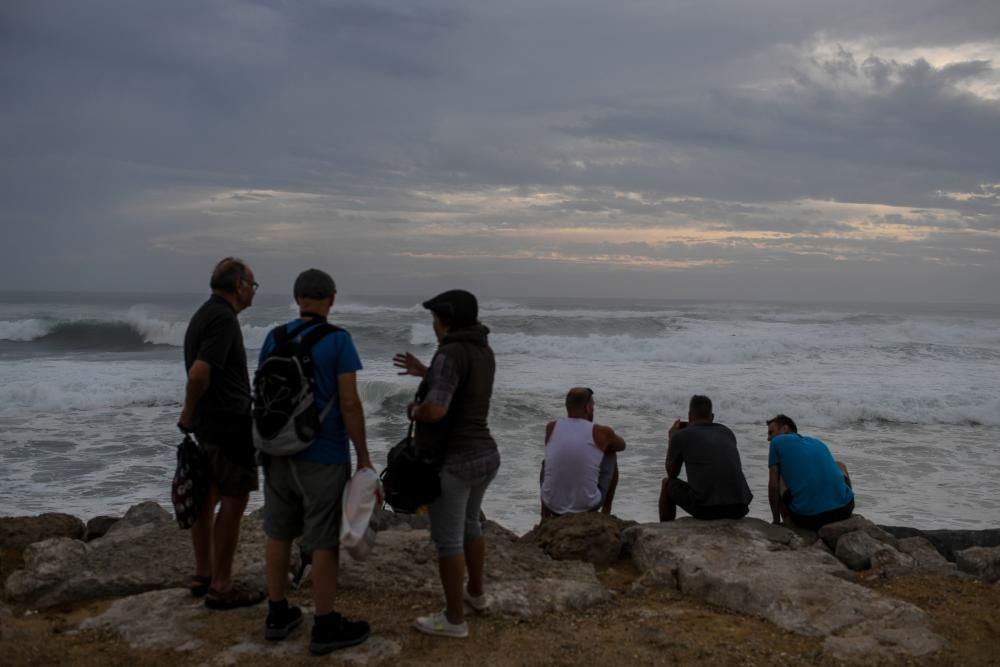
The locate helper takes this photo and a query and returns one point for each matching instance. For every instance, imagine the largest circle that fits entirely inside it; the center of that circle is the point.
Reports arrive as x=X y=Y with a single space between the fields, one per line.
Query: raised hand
x=410 y=364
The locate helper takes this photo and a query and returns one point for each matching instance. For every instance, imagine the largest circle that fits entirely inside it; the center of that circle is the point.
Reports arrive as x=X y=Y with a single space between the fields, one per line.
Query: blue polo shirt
x=333 y=356
x=810 y=472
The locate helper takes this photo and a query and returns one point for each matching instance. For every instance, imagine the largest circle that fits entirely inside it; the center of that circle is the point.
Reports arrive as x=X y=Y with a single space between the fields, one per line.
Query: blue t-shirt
x=810 y=472
x=333 y=356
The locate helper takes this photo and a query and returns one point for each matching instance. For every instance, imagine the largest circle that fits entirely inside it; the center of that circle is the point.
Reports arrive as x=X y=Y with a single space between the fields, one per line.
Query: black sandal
x=199 y=585
x=234 y=598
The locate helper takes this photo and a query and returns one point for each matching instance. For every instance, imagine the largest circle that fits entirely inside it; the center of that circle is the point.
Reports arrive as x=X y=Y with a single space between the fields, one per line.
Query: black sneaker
x=332 y=631
x=280 y=622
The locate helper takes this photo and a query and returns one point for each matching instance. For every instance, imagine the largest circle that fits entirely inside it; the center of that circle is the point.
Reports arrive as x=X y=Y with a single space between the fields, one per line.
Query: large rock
x=949 y=542
x=754 y=568
x=520 y=580
x=99 y=526
x=832 y=532
x=593 y=537
x=927 y=559
x=981 y=562
x=20 y=531
x=143 y=551
x=858 y=549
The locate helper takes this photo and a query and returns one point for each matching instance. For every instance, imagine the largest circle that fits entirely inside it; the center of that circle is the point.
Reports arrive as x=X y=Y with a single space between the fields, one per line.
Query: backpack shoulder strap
x=316 y=335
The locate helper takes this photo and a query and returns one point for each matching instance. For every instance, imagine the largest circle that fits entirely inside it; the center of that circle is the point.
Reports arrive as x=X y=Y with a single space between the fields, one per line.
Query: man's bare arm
x=774 y=493
x=354 y=416
x=198 y=379
x=607 y=440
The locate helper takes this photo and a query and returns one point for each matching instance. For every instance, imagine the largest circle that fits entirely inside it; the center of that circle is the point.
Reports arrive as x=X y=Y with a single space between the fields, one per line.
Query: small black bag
x=410 y=479
x=190 y=487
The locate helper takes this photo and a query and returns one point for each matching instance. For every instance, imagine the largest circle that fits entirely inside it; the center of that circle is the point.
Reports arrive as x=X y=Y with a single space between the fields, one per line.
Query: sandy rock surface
x=755 y=568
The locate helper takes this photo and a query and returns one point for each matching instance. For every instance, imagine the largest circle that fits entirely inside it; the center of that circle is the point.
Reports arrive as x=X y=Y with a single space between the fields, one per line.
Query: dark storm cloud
x=144 y=138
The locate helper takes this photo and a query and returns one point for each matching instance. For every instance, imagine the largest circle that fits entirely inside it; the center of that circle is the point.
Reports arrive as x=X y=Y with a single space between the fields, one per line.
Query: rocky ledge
x=796 y=580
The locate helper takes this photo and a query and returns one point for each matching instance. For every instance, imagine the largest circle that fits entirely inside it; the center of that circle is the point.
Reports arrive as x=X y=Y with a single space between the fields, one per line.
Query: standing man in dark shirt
x=715 y=486
x=217 y=410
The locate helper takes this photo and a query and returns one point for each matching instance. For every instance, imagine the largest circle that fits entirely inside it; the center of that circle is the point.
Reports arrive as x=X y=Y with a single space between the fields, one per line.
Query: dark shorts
x=817 y=521
x=683 y=495
x=303 y=498
x=232 y=478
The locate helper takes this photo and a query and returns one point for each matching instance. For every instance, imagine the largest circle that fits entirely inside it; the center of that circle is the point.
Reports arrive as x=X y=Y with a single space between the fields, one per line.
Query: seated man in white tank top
x=580 y=470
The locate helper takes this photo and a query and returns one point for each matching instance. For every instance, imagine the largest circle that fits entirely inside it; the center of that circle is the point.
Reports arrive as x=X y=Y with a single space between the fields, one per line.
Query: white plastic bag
x=358 y=505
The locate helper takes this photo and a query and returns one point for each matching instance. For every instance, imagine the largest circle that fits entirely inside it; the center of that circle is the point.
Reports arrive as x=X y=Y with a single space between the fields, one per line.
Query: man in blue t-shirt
x=302 y=493
x=806 y=485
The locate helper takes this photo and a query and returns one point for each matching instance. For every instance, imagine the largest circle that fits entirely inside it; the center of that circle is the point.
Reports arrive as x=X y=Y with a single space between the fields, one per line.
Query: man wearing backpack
x=303 y=491
x=217 y=410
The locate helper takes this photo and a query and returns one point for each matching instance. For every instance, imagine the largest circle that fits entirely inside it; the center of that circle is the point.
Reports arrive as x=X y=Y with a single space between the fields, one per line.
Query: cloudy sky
x=749 y=149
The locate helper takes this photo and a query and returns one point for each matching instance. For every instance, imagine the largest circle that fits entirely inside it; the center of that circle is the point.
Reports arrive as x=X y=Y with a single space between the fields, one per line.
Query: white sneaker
x=439 y=625
x=480 y=604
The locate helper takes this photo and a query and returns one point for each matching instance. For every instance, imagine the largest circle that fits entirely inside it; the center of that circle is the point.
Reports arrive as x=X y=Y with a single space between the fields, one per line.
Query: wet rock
x=751 y=567
x=20 y=531
x=948 y=542
x=981 y=562
x=99 y=526
x=592 y=537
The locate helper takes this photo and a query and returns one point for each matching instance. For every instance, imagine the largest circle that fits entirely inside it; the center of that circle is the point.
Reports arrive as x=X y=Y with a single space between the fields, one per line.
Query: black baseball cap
x=459 y=307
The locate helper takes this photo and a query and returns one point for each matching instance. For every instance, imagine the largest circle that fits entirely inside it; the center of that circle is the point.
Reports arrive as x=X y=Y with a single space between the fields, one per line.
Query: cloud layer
x=716 y=149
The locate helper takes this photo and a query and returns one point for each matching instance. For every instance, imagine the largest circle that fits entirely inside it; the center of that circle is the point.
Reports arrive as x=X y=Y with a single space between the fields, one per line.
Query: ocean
x=908 y=396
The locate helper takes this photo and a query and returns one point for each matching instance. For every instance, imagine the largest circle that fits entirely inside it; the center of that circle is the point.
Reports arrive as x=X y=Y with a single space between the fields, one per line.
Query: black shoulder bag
x=410 y=479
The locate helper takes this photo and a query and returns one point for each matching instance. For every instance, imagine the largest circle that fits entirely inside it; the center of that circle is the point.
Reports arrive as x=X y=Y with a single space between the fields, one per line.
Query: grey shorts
x=455 y=513
x=303 y=498
x=232 y=478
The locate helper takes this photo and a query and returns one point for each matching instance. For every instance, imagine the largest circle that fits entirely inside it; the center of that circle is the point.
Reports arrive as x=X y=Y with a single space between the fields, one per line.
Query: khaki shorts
x=303 y=498
x=232 y=478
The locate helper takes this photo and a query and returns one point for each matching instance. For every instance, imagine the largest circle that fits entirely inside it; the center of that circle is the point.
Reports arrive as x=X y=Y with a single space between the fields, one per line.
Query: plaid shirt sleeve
x=442 y=378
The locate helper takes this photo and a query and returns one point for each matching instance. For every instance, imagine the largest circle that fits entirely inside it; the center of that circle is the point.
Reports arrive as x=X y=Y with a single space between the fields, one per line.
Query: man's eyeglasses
x=252 y=284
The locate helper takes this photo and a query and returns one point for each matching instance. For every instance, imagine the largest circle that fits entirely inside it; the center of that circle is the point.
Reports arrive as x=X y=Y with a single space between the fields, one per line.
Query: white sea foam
x=887 y=389
x=24 y=330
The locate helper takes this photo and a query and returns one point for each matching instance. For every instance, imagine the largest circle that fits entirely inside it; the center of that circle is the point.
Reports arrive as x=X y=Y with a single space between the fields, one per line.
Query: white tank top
x=572 y=468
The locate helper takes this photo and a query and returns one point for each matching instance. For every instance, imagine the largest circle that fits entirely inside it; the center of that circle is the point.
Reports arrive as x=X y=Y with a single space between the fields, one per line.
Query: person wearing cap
x=217 y=410
x=451 y=410
x=806 y=485
x=302 y=492
x=580 y=469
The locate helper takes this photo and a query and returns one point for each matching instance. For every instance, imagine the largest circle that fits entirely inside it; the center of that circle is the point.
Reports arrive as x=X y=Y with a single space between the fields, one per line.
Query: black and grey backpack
x=286 y=419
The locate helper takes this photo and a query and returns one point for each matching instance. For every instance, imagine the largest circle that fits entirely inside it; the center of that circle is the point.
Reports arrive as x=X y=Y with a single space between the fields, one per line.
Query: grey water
x=907 y=395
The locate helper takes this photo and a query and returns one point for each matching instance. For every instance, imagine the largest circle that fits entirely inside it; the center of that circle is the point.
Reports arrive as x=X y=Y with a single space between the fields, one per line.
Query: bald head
x=228 y=273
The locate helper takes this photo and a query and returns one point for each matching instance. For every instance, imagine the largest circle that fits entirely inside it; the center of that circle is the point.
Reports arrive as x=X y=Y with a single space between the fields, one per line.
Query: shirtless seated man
x=580 y=470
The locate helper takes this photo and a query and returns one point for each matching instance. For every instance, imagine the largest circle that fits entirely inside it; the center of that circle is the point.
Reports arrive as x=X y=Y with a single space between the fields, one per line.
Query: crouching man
x=806 y=485
x=580 y=470
x=715 y=486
